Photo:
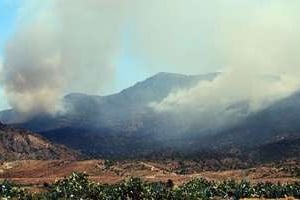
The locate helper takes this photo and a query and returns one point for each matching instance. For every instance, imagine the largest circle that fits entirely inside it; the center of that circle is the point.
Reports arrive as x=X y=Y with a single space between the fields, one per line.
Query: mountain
x=123 y=124
x=278 y=122
x=118 y=124
x=272 y=134
x=276 y=151
x=18 y=144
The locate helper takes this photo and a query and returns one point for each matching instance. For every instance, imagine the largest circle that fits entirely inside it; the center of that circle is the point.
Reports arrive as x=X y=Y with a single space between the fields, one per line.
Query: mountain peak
x=168 y=74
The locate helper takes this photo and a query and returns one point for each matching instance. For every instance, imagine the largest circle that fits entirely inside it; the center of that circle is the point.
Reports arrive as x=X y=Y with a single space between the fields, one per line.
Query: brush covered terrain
x=167 y=179
x=78 y=186
x=20 y=144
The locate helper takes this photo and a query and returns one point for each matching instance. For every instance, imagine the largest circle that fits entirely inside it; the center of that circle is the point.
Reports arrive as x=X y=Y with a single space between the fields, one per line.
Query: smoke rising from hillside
x=60 y=47
x=72 y=46
x=254 y=46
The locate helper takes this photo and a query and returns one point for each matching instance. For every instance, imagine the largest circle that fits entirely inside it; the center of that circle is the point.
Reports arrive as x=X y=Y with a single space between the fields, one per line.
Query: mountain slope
x=278 y=122
x=17 y=144
x=123 y=125
x=118 y=124
x=277 y=151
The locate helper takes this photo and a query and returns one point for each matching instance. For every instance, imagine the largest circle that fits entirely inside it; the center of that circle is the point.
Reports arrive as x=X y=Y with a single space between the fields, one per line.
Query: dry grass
x=33 y=172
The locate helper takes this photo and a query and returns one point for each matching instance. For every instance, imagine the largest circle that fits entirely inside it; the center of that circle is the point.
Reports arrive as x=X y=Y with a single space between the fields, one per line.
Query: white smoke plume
x=255 y=43
x=60 y=47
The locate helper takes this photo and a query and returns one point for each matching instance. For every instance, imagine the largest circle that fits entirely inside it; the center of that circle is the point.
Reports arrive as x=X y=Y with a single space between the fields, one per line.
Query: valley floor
x=35 y=172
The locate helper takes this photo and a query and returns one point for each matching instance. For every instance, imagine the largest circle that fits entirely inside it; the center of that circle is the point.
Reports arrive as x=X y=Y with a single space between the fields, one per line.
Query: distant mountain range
x=123 y=124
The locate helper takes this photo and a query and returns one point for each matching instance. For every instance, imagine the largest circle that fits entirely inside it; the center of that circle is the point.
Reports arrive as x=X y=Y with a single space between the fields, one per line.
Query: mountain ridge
x=19 y=144
x=123 y=125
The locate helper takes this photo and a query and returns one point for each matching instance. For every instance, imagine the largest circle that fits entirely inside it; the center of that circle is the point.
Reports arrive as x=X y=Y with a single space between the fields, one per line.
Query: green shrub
x=78 y=187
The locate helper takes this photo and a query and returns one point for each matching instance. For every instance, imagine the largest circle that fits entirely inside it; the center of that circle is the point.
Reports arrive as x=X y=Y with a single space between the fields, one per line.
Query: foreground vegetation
x=77 y=186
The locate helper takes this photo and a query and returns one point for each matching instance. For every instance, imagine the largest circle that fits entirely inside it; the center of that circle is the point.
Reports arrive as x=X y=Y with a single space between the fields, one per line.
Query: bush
x=8 y=191
x=77 y=186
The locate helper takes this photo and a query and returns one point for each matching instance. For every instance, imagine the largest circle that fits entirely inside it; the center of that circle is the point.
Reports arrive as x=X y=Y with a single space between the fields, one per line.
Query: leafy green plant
x=9 y=190
x=78 y=187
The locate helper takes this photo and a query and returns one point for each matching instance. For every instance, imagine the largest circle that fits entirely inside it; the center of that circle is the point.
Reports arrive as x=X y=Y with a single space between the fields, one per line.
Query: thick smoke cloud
x=32 y=71
x=258 y=47
x=72 y=46
x=60 y=47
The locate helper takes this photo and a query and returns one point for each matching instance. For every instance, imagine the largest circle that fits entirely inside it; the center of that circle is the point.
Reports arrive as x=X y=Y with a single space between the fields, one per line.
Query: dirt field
x=33 y=172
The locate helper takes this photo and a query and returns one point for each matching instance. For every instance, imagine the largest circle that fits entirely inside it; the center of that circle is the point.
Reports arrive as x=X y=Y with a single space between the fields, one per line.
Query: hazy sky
x=131 y=64
x=128 y=70
x=8 y=15
x=53 y=47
